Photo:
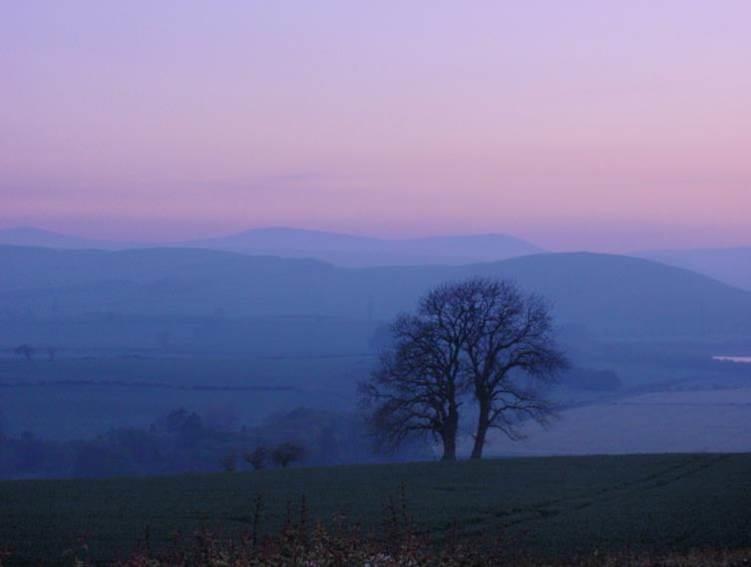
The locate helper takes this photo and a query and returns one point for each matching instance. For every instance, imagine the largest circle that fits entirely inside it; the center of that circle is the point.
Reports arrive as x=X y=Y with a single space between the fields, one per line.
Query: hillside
x=619 y=295
x=558 y=506
x=337 y=248
x=729 y=265
x=614 y=295
x=32 y=236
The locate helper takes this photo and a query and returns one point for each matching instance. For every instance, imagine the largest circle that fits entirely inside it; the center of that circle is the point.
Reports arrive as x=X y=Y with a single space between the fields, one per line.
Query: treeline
x=184 y=441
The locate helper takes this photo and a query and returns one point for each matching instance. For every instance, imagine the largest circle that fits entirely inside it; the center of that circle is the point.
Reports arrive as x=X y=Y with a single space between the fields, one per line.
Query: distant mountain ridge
x=337 y=248
x=32 y=236
x=361 y=251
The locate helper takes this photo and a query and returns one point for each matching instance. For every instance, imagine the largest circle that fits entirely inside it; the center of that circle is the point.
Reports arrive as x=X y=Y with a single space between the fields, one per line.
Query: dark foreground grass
x=544 y=506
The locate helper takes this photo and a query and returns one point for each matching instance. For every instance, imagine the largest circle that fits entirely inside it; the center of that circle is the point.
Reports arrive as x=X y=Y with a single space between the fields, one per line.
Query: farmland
x=72 y=398
x=545 y=505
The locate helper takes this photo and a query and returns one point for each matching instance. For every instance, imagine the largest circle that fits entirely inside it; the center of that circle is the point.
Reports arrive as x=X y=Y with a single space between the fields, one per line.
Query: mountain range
x=729 y=265
x=339 y=249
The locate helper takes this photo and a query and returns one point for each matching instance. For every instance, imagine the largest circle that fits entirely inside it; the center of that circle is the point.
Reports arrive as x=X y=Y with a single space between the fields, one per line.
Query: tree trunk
x=449 y=435
x=483 y=422
x=449 y=448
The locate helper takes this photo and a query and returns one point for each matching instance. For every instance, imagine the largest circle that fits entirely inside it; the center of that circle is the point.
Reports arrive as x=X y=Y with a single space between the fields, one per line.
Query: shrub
x=257 y=457
x=287 y=453
x=229 y=463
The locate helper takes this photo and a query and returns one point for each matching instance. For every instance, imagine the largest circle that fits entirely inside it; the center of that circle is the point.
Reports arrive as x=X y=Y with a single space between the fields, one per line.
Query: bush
x=257 y=457
x=287 y=453
x=229 y=463
x=592 y=380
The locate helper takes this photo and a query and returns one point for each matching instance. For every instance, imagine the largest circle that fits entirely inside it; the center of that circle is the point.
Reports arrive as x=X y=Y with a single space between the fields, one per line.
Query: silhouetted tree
x=186 y=426
x=509 y=351
x=479 y=336
x=417 y=385
x=257 y=457
x=229 y=462
x=287 y=453
x=27 y=351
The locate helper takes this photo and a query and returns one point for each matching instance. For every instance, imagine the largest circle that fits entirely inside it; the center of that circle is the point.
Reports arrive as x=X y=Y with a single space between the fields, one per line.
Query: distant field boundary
x=151 y=385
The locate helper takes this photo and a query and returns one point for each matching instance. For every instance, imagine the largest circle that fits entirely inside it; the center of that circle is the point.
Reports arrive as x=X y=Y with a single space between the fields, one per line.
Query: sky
x=585 y=124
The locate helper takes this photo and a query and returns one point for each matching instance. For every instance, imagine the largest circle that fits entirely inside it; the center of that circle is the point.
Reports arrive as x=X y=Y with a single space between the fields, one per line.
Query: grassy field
x=74 y=398
x=547 y=505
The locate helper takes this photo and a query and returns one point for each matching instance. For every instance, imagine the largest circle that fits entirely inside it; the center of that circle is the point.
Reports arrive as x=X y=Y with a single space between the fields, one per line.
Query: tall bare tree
x=509 y=352
x=480 y=336
x=417 y=385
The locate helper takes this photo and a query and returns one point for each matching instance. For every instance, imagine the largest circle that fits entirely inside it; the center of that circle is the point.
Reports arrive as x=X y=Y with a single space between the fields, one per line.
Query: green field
x=546 y=505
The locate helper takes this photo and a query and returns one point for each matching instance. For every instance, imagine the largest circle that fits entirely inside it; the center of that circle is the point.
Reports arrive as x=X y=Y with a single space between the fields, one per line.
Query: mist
x=347 y=283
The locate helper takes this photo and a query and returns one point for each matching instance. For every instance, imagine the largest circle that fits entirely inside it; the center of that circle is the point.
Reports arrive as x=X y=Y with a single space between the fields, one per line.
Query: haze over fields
x=212 y=214
x=139 y=332
x=394 y=283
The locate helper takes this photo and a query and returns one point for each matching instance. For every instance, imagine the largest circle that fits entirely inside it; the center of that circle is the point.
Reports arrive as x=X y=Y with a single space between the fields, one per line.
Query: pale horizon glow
x=576 y=125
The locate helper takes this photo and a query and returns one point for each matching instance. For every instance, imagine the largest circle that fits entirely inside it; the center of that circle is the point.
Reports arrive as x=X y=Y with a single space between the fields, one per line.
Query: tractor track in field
x=658 y=480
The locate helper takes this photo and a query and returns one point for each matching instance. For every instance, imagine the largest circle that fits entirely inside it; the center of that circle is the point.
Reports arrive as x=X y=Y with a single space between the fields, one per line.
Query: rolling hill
x=729 y=265
x=614 y=295
x=339 y=249
x=32 y=236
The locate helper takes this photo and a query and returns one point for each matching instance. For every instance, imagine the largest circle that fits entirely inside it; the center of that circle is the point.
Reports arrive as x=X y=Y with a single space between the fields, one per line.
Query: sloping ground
x=615 y=295
x=698 y=421
x=548 y=505
x=729 y=265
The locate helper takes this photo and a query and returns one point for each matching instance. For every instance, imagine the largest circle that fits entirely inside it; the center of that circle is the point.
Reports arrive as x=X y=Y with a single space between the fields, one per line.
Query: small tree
x=287 y=453
x=27 y=351
x=257 y=457
x=229 y=463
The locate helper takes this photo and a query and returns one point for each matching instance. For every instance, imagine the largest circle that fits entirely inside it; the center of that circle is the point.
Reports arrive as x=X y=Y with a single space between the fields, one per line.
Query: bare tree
x=509 y=352
x=417 y=386
x=27 y=351
x=479 y=336
x=229 y=462
x=257 y=457
x=287 y=453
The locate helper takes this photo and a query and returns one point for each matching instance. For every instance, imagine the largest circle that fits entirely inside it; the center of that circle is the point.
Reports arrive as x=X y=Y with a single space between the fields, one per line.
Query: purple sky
x=578 y=124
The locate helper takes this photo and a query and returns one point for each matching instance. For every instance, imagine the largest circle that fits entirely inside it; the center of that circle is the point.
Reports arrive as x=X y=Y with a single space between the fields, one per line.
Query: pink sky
x=578 y=124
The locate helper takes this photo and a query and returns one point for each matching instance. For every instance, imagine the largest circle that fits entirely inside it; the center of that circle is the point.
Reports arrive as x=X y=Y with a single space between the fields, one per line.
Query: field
x=557 y=506
x=83 y=393
x=74 y=398
x=679 y=421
